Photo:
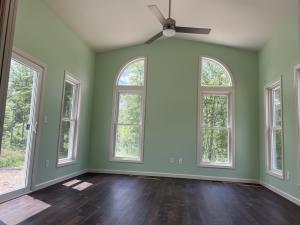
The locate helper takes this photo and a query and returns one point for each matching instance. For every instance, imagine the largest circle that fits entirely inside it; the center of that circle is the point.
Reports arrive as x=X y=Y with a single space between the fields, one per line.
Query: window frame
x=268 y=104
x=70 y=78
x=128 y=89
x=216 y=90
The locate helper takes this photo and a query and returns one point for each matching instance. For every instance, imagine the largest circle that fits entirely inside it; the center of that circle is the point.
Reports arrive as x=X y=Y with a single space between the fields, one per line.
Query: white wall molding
x=169 y=175
x=173 y=175
x=281 y=193
x=58 y=180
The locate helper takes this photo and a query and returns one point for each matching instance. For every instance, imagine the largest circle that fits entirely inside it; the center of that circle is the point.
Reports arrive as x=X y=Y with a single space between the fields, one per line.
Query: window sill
x=124 y=160
x=276 y=174
x=217 y=166
x=65 y=162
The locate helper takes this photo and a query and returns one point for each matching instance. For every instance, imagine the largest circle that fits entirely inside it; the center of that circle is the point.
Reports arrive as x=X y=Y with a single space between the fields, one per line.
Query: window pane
x=68 y=103
x=215 y=110
x=278 y=149
x=215 y=145
x=133 y=74
x=214 y=74
x=277 y=108
x=129 y=109
x=128 y=141
x=69 y=121
x=65 y=145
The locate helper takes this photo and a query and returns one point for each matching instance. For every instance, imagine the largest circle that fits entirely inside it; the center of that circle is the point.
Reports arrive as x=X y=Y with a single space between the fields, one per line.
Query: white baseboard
x=58 y=180
x=281 y=193
x=173 y=175
x=170 y=175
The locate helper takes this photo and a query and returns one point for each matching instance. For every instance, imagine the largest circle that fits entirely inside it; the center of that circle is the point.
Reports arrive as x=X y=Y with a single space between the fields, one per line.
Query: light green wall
x=171 y=101
x=278 y=58
x=171 y=107
x=44 y=36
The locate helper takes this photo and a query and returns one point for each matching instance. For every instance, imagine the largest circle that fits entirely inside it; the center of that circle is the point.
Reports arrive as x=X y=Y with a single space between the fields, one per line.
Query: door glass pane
x=215 y=145
x=17 y=126
x=128 y=142
x=129 y=109
x=215 y=110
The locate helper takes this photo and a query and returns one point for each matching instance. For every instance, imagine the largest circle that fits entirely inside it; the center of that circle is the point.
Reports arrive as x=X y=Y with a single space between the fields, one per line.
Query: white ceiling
x=111 y=24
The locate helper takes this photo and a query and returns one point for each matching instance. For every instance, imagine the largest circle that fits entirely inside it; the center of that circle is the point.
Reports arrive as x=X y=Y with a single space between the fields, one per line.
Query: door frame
x=41 y=68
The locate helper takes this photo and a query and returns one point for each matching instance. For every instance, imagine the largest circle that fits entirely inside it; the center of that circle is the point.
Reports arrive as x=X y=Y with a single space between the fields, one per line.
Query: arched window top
x=132 y=74
x=214 y=74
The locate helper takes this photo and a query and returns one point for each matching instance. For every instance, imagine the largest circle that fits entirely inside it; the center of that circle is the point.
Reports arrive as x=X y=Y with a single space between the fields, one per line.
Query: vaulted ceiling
x=112 y=24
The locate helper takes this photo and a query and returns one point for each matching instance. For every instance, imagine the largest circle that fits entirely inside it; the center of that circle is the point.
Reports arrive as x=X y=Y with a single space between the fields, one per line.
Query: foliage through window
x=17 y=115
x=215 y=141
x=214 y=74
x=69 y=121
x=128 y=119
x=274 y=140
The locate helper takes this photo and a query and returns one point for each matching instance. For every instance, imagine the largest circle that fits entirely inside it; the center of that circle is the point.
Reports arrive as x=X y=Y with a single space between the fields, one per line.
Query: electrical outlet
x=47 y=163
x=180 y=161
x=45 y=119
x=172 y=160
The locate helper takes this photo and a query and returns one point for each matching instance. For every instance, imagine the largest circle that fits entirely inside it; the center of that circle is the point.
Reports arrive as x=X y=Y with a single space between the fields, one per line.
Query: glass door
x=20 y=127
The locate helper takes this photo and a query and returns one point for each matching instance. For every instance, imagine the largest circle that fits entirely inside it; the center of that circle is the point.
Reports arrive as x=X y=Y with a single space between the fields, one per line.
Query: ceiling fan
x=169 y=25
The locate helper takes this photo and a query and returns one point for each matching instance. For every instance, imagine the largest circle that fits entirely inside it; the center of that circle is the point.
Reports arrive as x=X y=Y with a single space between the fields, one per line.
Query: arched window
x=128 y=112
x=216 y=115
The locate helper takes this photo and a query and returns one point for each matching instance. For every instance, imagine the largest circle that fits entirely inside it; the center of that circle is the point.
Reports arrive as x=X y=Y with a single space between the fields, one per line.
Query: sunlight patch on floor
x=71 y=183
x=82 y=186
x=20 y=209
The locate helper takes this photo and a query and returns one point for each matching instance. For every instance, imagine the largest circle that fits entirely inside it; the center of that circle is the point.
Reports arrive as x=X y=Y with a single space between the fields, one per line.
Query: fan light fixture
x=169 y=25
x=169 y=32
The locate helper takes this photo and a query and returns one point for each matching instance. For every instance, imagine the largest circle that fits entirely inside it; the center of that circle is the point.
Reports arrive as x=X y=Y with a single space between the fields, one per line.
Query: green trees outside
x=215 y=113
x=214 y=74
x=17 y=114
x=277 y=124
x=129 y=112
x=66 y=129
x=215 y=131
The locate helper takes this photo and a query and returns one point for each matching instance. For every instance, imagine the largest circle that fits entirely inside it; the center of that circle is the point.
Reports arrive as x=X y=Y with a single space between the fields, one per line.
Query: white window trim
x=65 y=162
x=297 y=89
x=116 y=93
x=229 y=91
x=268 y=123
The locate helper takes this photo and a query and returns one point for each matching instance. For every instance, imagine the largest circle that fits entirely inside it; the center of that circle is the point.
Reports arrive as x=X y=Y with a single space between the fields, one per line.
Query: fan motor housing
x=170 y=24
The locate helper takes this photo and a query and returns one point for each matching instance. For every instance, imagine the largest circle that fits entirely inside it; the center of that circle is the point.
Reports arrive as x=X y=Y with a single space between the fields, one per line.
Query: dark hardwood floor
x=129 y=200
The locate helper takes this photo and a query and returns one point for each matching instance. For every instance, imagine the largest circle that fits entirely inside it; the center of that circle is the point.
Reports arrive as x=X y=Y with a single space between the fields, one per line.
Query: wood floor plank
x=131 y=200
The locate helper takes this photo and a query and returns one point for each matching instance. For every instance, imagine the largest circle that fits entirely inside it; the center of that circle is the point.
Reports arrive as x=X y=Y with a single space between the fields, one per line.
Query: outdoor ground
x=10 y=179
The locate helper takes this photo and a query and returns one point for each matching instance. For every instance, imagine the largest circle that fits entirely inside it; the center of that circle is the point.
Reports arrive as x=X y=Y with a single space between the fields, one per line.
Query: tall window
x=128 y=112
x=215 y=128
x=274 y=134
x=68 y=136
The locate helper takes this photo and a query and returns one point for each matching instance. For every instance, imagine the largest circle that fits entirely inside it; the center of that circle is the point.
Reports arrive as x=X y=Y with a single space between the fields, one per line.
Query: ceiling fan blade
x=157 y=13
x=155 y=37
x=192 y=30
